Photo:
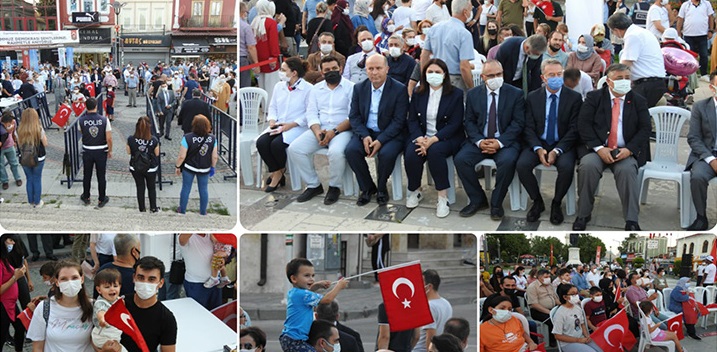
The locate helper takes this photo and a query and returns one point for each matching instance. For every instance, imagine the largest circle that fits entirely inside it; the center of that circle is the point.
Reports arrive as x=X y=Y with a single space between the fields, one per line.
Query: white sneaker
x=211 y=282
x=223 y=282
x=442 y=209
x=39 y=205
x=413 y=198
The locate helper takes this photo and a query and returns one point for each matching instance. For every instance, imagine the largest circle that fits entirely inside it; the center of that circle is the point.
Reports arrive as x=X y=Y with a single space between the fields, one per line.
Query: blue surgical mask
x=554 y=83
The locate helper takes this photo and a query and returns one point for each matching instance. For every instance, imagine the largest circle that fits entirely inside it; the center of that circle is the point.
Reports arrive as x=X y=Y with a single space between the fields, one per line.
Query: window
x=88 y=5
x=72 y=6
x=692 y=248
x=704 y=246
x=684 y=249
x=142 y=20
x=105 y=6
x=197 y=8
x=215 y=9
x=158 y=15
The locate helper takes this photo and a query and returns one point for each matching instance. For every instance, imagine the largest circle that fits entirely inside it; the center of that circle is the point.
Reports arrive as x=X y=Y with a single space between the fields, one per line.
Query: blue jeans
x=33 y=184
x=11 y=155
x=202 y=183
x=209 y=298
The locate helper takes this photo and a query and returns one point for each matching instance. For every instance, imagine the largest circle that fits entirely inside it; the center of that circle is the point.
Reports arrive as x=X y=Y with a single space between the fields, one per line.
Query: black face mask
x=332 y=77
x=509 y=291
x=492 y=31
x=555 y=48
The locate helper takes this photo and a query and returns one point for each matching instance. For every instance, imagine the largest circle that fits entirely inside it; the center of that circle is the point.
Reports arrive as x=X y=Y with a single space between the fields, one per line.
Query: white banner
x=581 y=15
x=36 y=38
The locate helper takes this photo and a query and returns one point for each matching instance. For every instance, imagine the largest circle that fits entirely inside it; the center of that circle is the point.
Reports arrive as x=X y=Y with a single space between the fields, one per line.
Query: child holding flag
x=657 y=334
x=107 y=283
x=301 y=300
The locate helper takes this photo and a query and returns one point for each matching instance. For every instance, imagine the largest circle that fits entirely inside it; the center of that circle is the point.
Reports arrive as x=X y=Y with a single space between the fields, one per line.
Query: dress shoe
x=365 y=197
x=700 y=224
x=694 y=336
x=167 y=138
x=382 y=198
x=581 y=223
x=270 y=189
x=472 y=208
x=496 y=213
x=535 y=210
x=18 y=183
x=51 y=257
x=632 y=226
x=310 y=193
x=332 y=195
x=556 y=214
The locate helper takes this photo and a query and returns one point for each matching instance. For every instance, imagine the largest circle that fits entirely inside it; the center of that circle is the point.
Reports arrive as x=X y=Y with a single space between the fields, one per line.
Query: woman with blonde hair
x=31 y=137
x=197 y=157
x=143 y=149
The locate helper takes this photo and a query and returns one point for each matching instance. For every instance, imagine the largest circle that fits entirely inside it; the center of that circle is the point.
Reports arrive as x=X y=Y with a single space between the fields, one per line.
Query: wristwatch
x=336 y=132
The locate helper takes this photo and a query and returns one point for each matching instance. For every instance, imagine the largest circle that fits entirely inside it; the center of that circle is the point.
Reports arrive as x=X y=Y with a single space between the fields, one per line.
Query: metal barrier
x=157 y=132
x=72 y=160
x=225 y=129
x=37 y=102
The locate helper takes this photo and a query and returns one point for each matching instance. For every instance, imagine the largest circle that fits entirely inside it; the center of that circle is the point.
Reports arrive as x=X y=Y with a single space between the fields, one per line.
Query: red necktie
x=612 y=138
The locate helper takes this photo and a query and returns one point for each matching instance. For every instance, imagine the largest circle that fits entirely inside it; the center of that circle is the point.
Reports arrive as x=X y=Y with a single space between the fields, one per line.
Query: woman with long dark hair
x=143 y=147
x=497 y=322
x=197 y=158
x=9 y=293
x=435 y=126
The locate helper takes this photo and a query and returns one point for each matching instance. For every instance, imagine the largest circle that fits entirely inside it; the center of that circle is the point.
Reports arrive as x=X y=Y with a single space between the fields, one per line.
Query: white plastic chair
x=251 y=100
x=666 y=297
x=570 y=199
x=514 y=188
x=480 y=305
x=451 y=179
x=296 y=184
x=646 y=339
x=552 y=313
x=664 y=166
x=700 y=294
x=659 y=302
x=476 y=78
x=540 y=326
x=524 y=305
x=710 y=292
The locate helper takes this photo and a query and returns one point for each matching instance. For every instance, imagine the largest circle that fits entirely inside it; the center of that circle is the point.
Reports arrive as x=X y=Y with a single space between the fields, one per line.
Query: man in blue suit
x=521 y=58
x=494 y=121
x=378 y=119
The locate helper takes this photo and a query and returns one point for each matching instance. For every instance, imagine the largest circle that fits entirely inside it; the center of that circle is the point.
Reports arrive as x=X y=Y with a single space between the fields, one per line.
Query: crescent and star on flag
x=403 y=281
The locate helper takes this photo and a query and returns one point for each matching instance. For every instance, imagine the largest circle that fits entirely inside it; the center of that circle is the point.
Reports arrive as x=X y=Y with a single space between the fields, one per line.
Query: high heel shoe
x=282 y=183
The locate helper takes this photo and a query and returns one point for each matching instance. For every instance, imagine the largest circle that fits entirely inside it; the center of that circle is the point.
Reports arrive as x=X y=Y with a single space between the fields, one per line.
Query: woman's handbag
x=176 y=271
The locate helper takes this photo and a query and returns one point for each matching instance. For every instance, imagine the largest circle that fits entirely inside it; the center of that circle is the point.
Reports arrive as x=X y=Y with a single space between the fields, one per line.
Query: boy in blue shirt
x=301 y=300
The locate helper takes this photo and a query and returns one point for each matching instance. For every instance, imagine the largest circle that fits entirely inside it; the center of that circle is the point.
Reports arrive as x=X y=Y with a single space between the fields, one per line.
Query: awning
x=189 y=46
x=92 y=49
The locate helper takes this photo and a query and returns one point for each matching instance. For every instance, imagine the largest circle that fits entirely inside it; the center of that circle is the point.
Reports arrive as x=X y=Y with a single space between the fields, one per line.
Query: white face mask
x=546 y=281
x=346 y=11
x=326 y=48
x=336 y=347
x=574 y=299
x=283 y=77
x=582 y=48
x=391 y=28
x=370 y=9
x=394 y=51
x=597 y=299
x=426 y=30
x=9 y=248
x=411 y=41
x=145 y=290
x=502 y=315
x=621 y=86
x=435 y=79
x=494 y=83
x=367 y=45
x=71 y=288
x=664 y=2
x=48 y=283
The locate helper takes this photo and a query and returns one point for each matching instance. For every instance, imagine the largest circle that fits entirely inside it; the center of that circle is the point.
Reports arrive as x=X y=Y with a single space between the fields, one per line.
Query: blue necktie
x=552 y=116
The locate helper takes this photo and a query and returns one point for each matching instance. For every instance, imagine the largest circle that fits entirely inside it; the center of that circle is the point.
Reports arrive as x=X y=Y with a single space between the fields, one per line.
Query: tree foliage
x=638 y=262
x=588 y=247
x=540 y=246
x=623 y=246
x=511 y=246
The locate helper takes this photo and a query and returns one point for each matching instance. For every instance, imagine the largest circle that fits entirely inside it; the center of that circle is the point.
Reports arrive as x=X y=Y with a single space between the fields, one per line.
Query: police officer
x=96 y=148
x=197 y=158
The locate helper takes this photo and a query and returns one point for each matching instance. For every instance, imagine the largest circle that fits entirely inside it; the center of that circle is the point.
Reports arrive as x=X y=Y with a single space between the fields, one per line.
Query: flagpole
x=382 y=269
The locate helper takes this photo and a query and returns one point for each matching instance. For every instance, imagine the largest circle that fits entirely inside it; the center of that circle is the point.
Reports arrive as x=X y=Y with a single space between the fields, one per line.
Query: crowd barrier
x=157 y=130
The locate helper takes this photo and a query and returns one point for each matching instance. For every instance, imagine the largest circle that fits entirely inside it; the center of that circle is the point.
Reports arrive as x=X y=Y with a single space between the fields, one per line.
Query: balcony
x=187 y=23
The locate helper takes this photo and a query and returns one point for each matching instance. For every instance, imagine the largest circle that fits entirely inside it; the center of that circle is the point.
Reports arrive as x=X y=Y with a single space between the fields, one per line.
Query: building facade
x=145 y=31
x=204 y=29
x=699 y=245
x=22 y=15
x=95 y=21
x=648 y=247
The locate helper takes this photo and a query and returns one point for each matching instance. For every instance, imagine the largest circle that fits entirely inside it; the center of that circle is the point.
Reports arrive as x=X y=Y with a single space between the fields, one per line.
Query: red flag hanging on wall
x=404 y=296
x=119 y=317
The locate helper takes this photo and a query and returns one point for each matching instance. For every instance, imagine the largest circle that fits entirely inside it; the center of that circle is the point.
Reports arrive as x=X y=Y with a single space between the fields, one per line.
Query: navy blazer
x=392 y=110
x=508 y=55
x=568 y=110
x=449 y=119
x=511 y=114
x=596 y=117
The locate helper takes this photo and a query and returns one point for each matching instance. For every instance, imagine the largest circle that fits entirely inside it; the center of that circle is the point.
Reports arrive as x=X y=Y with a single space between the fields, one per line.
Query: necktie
x=552 y=116
x=525 y=78
x=361 y=64
x=492 y=117
x=612 y=138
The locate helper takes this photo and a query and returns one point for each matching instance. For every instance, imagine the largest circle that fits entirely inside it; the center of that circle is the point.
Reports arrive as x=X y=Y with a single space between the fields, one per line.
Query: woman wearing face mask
x=411 y=48
x=362 y=15
x=379 y=11
x=608 y=296
x=585 y=59
x=10 y=276
x=500 y=330
x=569 y=325
x=489 y=38
x=487 y=14
x=286 y=109
x=252 y=339
x=423 y=28
x=387 y=29
x=521 y=281
x=496 y=278
x=680 y=302
x=343 y=27
x=603 y=47
x=435 y=125
x=69 y=325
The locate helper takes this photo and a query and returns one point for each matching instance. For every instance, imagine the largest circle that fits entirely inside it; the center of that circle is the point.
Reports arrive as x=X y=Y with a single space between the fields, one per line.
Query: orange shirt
x=508 y=338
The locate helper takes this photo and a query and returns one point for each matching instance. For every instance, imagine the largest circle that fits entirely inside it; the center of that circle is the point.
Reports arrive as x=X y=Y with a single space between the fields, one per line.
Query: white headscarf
x=264 y=9
x=361 y=7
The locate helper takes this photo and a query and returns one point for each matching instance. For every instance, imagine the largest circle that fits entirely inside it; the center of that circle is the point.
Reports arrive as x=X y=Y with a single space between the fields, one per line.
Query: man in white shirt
x=355 y=69
x=420 y=7
x=441 y=311
x=578 y=81
x=437 y=11
x=593 y=277
x=658 y=17
x=405 y=16
x=710 y=271
x=327 y=117
x=695 y=23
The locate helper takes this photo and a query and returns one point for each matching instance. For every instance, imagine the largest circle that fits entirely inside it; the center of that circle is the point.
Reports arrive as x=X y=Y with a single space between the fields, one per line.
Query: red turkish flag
x=78 y=107
x=404 y=296
x=25 y=316
x=62 y=115
x=618 y=297
x=544 y=5
x=119 y=317
x=703 y=310
x=91 y=89
x=610 y=336
x=540 y=348
x=675 y=324
x=227 y=313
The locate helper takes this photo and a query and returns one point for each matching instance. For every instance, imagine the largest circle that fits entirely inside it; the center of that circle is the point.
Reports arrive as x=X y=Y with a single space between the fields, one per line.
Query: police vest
x=199 y=153
x=639 y=13
x=93 y=126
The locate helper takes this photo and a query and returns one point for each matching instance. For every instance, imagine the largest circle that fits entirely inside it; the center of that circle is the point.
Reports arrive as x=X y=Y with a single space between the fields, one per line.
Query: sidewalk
x=360 y=300
x=17 y=215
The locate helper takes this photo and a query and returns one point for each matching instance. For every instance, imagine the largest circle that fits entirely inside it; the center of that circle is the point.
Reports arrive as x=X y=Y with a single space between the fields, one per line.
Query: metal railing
x=225 y=129
x=72 y=160
x=157 y=130
x=37 y=102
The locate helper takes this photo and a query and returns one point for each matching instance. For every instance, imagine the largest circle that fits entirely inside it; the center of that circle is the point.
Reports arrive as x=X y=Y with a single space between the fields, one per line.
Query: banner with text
x=33 y=38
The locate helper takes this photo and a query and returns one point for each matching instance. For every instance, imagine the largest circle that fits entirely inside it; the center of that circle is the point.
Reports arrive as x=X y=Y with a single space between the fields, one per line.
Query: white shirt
x=489 y=99
x=197 y=254
x=657 y=13
x=419 y=7
x=696 y=19
x=701 y=269
x=595 y=278
x=585 y=85
x=709 y=275
x=521 y=62
x=64 y=331
x=441 y=311
x=290 y=106
x=329 y=107
x=434 y=100
x=403 y=16
x=104 y=243
x=437 y=14
x=488 y=9
x=642 y=48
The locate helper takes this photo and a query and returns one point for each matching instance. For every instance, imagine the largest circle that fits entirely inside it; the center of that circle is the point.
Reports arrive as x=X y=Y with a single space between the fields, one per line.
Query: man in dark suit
x=330 y=313
x=702 y=162
x=191 y=108
x=324 y=336
x=614 y=127
x=551 y=116
x=494 y=120
x=165 y=102
x=521 y=58
x=378 y=117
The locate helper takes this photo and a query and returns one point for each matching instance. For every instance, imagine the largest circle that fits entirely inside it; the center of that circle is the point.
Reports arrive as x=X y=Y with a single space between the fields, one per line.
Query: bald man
x=377 y=116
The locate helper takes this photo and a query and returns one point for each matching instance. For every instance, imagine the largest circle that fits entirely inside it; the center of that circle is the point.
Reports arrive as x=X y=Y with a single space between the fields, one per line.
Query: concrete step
x=427 y=254
x=68 y=214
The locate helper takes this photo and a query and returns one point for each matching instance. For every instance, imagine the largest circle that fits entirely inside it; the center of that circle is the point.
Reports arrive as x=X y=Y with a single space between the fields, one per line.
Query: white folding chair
x=710 y=293
x=646 y=339
x=296 y=182
x=552 y=313
x=570 y=198
x=659 y=302
x=664 y=166
x=451 y=179
x=666 y=296
x=514 y=188
x=251 y=100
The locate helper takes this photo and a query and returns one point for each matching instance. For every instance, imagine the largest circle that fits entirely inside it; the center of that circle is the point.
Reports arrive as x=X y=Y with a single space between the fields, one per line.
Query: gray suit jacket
x=703 y=126
x=162 y=102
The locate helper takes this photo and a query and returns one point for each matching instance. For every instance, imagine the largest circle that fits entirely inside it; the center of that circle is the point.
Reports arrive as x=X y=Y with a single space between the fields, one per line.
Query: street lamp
x=117 y=8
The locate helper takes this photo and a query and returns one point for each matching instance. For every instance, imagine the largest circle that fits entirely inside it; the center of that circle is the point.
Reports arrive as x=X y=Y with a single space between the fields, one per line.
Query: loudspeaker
x=686 y=268
x=574 y=239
